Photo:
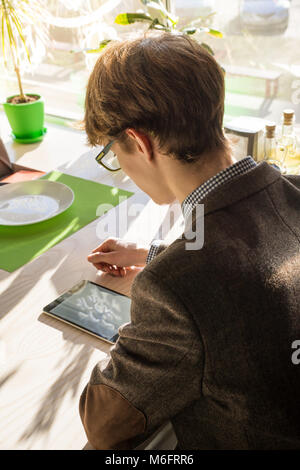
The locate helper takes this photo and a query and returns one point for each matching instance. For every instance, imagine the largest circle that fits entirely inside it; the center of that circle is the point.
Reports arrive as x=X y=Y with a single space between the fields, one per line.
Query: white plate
x=33 y=201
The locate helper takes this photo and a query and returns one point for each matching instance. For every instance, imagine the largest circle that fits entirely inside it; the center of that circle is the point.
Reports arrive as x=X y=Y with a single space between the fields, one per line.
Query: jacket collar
x=198 y=194
x=241 y=187
x=237 y=189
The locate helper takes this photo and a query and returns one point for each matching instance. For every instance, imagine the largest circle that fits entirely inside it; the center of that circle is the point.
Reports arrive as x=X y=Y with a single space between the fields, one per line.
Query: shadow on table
x=69 y=379
x=67 y=382
x=26 y=279
x=8 y=376
x=61 y=258
x=71 y=334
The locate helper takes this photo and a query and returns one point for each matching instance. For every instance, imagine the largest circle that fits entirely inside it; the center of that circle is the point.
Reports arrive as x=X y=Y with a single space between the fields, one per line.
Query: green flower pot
x=26 y=119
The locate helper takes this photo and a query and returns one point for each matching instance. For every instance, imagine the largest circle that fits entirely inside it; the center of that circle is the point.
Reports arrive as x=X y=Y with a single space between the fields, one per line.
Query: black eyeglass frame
x=103 y=153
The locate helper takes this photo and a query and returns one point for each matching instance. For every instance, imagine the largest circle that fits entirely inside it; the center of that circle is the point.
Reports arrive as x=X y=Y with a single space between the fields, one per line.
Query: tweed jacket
x=209 y=345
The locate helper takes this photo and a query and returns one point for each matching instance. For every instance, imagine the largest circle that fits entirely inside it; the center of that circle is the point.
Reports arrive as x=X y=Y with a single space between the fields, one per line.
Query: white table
x=44 y=363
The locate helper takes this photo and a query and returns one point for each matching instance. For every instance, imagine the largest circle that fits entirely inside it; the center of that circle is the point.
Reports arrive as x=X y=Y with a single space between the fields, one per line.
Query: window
x=73 y=26
x=258 y=51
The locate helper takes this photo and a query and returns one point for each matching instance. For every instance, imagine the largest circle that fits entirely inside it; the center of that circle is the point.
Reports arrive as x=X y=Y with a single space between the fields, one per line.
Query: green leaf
x=208 y=48
x=200 y=20
x=129 y=18
x=156 y=12
x=145 y=2
x=189 y=30
x=102 y=45
x=3 y=39
x=215 y=33
x=157 y=25
x=201 y=29
x=18 y=26
x=159 y=11
x=11 y=40
x=160 y=27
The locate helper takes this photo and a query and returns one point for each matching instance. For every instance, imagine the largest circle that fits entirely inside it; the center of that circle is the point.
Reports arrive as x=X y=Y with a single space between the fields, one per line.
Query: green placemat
x=21 y=244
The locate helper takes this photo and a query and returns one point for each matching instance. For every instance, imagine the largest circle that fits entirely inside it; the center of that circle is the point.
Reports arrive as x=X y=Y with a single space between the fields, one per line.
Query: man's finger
x=106 y=246
x=100 y=257
x=102 y=267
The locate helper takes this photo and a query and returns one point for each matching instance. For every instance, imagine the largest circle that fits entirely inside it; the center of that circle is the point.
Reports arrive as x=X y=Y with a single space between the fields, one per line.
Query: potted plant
x=158 y=17
x=25 y=112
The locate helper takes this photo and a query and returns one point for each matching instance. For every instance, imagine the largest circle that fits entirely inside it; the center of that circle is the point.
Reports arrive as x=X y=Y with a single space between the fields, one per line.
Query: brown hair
x=166 y=85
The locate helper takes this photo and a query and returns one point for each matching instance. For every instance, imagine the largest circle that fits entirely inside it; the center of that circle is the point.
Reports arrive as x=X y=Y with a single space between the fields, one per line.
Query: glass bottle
x=288 y=139
x=274 y=153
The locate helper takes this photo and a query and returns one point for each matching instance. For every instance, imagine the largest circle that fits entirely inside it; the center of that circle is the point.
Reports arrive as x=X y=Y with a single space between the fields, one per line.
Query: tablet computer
x=92 y=308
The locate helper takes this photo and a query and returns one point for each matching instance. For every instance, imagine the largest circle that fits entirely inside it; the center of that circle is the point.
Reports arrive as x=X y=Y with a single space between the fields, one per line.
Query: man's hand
x=117 y=256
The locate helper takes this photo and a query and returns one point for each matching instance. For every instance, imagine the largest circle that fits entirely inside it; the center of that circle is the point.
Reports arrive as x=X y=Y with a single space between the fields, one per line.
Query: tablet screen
x=94 y=308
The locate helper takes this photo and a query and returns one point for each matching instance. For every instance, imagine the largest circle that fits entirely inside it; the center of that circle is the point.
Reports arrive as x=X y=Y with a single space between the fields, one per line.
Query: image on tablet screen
x=97 y=310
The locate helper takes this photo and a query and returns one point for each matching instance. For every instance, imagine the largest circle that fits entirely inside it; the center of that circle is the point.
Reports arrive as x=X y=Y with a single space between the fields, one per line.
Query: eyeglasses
x=108 y=159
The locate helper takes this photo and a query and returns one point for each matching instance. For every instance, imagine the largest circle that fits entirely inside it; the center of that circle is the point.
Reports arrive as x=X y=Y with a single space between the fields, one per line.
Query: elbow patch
x=109 y=419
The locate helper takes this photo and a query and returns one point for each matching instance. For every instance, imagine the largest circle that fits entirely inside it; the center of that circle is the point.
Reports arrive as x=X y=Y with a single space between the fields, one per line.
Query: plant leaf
x=129 y=18
x=189 y=30
x=215 y=33
x=18 y=25
x=208 y=48
x=200 y=20
x=11 y=40
x=3 y=39
x=156 y=13
x=102 y=45
x=145 y=2
x=201 y=29
x=159 y=11
x=159 y=27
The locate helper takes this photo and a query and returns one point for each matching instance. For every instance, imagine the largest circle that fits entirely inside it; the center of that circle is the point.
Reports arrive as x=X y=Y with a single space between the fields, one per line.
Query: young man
x=212 y=329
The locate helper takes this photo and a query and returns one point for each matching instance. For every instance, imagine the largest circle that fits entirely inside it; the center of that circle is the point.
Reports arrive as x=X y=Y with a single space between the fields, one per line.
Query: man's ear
x=142 y=141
